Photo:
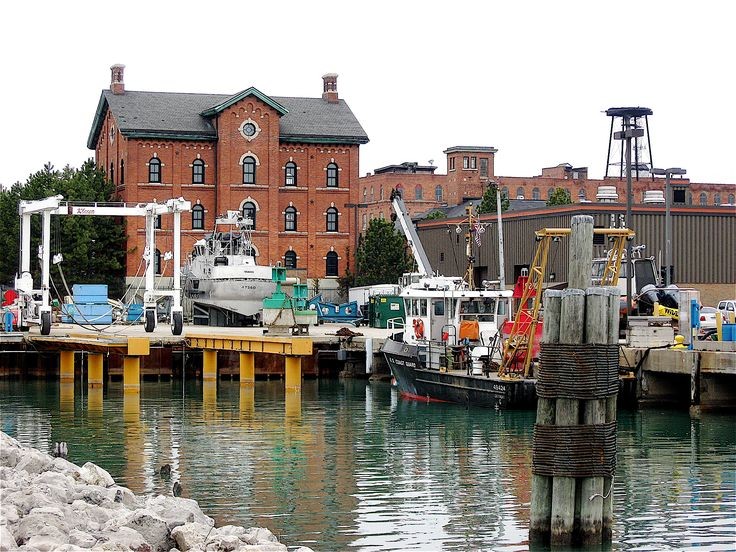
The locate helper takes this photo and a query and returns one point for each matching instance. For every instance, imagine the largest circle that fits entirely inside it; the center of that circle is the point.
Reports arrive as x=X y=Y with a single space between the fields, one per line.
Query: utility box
x=383 y=308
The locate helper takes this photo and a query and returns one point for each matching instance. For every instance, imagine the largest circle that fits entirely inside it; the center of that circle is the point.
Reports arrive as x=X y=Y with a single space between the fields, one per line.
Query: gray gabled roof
x=185 y=116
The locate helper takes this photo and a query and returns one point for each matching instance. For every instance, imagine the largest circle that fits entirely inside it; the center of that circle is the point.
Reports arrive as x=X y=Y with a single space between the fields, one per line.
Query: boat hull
x=243 y=297
x=414 y=380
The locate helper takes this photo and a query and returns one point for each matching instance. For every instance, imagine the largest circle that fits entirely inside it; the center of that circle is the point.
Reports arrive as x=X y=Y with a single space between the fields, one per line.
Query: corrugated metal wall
x=704 y=243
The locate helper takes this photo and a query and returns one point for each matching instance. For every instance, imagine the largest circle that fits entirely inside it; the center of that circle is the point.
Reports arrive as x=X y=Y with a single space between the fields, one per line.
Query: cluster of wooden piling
x=575 y=433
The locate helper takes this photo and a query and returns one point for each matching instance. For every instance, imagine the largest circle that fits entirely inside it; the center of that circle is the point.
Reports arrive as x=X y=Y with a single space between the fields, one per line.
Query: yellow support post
x=66 y=397
x=209 y=398
x=94 y=370
x=247 y=368
x=293 y=372
x=66 y=366
x=132 y=374
x=209 y=365
x=293 y=405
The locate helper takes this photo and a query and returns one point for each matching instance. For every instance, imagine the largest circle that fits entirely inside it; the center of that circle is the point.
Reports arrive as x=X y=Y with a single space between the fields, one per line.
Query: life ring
x=418 y=328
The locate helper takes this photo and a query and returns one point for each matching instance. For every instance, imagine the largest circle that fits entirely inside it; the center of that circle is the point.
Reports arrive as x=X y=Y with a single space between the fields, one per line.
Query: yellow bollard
x=66 y=366
x=94 y=370
x=247 y=368
x=293 y=372
x=132 y=374
x=209 y=365
x=679 y=342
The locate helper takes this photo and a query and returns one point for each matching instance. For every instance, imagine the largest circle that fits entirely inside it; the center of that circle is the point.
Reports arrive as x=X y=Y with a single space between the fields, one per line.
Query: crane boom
x=420 y=256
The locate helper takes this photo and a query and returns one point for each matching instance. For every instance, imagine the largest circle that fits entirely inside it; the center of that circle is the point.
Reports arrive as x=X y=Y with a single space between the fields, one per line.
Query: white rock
x=223 y=543
x=8 y=514
x=50 y=540
x=303 y=549
x=33 y=461
x=41 y=524
x=81 y=539
x=10 y=451
x=124 y=538
x=93 y=474
x=149 y=525
x=27 y=499
x=231 y=530
x=178 y=511
x=262 y=535
x=7 y=540
x=190 y=535
x=87 y=514
x=62 y=465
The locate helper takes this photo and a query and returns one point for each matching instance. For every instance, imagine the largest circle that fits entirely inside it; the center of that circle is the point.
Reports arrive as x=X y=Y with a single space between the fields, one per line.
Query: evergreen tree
x=382 y=256
x=93 y=247
x=434 y=215
x=488 y=203
x=560 y=196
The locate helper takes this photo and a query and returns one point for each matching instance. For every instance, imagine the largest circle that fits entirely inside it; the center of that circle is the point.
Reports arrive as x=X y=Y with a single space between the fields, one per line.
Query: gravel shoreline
x=48 y=503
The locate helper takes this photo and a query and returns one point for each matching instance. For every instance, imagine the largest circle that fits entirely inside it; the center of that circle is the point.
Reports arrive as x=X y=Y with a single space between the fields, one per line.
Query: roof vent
x=607 y=194
x=117 y=86
x=654 y=196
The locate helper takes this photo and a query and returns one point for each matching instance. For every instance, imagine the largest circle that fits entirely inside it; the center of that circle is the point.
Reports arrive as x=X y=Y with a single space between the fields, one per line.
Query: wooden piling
x=594 y=412
x=614 y=307
x=581 y=253
x=567 y=412
x=541 y=503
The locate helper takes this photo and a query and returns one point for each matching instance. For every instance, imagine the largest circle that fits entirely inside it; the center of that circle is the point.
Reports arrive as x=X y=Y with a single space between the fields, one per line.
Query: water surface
x=349 y=465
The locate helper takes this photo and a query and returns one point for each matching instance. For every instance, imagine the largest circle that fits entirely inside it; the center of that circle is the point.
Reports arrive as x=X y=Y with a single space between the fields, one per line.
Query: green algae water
x=351 y=466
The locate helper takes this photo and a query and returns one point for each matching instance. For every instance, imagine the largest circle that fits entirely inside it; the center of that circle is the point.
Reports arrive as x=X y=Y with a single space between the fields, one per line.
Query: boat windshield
x=482 y=309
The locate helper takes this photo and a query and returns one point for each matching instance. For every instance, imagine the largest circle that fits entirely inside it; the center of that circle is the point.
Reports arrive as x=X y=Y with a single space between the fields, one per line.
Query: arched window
x=290 y=219
x=249 y=170
x=418 y=194
x=731 y=199
x=197 y=217
x=536 y=194
x=716 y=199
x=581 y=194
x=372 y=196
x=332 y=179
x=154 y=170
x=290 y=259
x=198 y=171
x=112 y=172
x=520 y=192
x=365 y=193
x=505 y=191
x=157 y=262
x=331 y=265
x=549 y=192
x=703 y=198
x=332 y=219
x=380 y=193
x=249 y=213
x=290 y=174
x=438 y=193
x=122 y=171
x=689 y=198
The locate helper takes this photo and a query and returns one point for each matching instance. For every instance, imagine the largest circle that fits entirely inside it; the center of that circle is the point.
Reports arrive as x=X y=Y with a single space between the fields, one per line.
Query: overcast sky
x=529 y=78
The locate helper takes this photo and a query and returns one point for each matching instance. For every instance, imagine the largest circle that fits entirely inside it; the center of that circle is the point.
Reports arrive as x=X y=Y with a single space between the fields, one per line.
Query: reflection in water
x=94 y=402
x=351 y=465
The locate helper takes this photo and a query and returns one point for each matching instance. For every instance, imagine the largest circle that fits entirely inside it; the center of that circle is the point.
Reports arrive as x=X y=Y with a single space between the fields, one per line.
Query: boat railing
x=395 y=323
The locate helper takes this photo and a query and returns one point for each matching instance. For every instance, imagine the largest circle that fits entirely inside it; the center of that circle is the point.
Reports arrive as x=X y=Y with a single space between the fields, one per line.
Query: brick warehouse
x=291 y=163
x=471 y=168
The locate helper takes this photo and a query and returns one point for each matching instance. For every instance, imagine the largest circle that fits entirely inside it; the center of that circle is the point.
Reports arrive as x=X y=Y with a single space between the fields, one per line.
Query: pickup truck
x=727 y=308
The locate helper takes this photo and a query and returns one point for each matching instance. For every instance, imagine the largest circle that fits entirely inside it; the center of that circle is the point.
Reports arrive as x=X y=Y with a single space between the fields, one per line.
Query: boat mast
x=469 y=247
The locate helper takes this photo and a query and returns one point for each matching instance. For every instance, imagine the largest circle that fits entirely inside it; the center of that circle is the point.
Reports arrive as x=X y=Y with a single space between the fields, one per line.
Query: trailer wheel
x=150 y=320
x=177 y=323
x=45 y=323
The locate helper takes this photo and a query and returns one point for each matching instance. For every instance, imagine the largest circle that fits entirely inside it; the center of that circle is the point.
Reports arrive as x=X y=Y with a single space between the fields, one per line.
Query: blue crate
x=86 y=314
x=135 y=312
x=90 y=289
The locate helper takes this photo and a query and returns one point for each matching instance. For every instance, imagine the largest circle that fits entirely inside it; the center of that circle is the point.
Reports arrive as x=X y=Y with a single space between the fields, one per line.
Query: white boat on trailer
x=223 y=284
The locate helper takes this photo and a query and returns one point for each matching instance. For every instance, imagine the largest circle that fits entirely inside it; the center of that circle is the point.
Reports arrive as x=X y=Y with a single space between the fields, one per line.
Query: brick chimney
x=330 y=87
x=117 y=86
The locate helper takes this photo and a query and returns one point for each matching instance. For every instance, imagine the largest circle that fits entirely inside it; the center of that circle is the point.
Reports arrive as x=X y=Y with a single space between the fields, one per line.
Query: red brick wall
x=223 y=189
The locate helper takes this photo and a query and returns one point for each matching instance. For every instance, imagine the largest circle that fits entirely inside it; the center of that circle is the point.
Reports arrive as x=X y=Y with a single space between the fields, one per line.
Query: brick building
x=290 y=163
x=471 y=168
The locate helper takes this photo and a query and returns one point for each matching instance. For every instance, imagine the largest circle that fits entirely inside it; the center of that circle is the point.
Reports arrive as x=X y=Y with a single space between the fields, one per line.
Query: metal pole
x=501 y=266
x=667 y=230
x=629 y=200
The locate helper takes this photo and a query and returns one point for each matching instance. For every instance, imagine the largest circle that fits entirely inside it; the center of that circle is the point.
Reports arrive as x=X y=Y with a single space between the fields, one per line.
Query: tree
x=434 y=215
x=488 y=203
x=560 y=196
x=93 y=247
x=382 y=256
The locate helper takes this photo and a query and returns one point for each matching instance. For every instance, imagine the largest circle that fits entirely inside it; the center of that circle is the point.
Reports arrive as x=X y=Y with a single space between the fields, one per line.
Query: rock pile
x=49 y=503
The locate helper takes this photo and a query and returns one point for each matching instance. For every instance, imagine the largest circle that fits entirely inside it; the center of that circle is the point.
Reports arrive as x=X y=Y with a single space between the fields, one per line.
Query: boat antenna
x=469 y=246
